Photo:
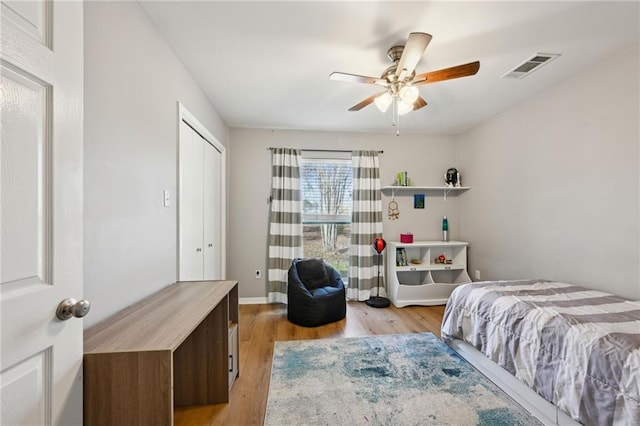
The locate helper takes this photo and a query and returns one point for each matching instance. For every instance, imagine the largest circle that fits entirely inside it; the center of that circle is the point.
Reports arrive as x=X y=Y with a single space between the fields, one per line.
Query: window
x=326 y=210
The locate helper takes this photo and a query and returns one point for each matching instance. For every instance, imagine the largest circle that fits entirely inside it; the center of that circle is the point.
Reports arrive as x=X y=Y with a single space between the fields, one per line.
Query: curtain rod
x=324 y=150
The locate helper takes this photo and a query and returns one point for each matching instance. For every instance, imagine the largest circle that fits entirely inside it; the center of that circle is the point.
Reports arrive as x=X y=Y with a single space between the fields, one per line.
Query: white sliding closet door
x=191 y=204
x=201 y=207
x=211 y=212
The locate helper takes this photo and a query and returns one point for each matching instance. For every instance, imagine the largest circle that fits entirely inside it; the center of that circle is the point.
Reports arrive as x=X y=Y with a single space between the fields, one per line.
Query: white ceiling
x=266 y=64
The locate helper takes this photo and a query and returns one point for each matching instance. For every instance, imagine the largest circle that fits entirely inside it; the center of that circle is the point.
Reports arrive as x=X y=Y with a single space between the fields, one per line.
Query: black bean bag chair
x=316 y=293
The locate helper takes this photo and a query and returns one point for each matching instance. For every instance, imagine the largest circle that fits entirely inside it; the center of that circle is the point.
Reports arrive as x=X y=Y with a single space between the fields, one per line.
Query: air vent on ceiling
x=530 y=65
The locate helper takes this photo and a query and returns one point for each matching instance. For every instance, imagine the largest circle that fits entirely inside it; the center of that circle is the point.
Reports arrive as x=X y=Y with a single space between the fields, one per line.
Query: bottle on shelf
x=445 y=229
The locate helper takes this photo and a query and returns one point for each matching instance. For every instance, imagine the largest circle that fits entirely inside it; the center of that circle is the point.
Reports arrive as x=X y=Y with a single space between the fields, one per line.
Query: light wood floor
x=261 y=325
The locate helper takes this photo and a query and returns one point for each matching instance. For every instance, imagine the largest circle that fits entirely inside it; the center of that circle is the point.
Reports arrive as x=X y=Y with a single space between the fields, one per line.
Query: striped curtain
x=285 y=220
x=366 y=225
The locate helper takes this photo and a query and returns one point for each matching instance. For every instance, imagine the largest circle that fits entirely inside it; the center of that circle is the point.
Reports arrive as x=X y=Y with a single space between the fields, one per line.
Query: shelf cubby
x=425 y=283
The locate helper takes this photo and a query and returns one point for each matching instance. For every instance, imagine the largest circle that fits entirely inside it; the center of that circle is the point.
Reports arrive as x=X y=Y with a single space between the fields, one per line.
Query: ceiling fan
x=400 y=79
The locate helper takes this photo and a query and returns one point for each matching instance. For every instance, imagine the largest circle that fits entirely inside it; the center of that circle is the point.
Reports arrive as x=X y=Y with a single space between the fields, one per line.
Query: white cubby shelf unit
x=425 y=283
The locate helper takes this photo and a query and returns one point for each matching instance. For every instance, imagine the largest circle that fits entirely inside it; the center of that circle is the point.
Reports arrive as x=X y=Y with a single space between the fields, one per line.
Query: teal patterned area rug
x=401 y=379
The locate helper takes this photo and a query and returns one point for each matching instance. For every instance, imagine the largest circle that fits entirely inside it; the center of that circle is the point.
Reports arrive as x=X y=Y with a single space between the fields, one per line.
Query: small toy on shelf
x=443 y=259
x=452 y=178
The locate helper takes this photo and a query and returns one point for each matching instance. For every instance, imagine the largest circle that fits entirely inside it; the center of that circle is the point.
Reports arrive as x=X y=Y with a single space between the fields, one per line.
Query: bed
x=577 y=348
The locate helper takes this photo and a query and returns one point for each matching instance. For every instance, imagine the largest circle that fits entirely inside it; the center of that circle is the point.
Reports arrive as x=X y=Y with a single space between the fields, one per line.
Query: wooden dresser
x=178 y=346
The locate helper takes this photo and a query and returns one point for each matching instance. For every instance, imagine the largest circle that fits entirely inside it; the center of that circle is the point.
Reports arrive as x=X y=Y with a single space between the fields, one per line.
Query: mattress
x=577 y=348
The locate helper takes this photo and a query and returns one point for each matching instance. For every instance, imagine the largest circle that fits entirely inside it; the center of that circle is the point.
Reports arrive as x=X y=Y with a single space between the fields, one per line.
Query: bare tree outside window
x=327 y=191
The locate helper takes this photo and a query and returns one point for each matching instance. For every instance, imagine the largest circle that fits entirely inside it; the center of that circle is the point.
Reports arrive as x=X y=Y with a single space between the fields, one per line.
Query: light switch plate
x=167 y=198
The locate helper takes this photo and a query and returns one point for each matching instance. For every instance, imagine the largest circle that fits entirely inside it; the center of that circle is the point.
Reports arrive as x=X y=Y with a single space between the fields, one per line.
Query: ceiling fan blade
x=353 y=78
x=366 y=102
x=447 y=73
x=413 y=50
x=419 y=103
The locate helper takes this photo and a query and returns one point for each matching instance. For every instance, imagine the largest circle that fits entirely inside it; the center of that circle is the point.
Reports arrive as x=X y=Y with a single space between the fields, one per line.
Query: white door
x=41 y=211
x=212 y=203
x=191 y=152
x=201 y=206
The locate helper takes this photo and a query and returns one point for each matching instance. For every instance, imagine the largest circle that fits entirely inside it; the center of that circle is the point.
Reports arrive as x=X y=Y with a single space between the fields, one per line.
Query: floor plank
x=262 y=325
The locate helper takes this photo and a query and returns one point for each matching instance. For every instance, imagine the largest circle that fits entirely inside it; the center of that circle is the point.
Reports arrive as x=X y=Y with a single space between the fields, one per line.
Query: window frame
x=326 y=218
x=338 y=254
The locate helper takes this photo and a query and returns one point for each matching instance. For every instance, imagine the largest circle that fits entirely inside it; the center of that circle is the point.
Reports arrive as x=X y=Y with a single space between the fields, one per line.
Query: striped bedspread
x=577 y=348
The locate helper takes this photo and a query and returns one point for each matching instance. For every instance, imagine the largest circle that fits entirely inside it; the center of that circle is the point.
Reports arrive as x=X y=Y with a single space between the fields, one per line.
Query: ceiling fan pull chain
x=394 y=112
x=397 y=117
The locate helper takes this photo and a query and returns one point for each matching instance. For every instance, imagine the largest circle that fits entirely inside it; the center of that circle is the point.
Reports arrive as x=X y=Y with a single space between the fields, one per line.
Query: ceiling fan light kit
x=403 y=107
x=400 y=79
x=409 y=94
x=383 y=101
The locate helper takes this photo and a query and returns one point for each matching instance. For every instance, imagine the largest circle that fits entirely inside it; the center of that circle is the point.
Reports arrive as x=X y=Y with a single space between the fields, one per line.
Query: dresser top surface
x=161 y=321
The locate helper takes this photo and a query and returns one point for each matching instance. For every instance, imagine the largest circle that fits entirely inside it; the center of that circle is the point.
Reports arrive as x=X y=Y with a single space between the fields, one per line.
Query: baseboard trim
x=253 y=300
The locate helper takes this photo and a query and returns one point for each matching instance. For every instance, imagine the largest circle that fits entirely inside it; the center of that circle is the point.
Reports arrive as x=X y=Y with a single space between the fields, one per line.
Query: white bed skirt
x=540 y=408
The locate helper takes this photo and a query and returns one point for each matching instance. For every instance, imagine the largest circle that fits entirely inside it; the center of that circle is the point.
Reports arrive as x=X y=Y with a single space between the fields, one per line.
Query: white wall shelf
x=427 y=283
x=413 y=189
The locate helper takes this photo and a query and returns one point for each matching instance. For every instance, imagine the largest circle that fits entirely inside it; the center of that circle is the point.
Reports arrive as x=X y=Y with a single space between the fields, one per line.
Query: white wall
x=556 y=185
x=554 y=181
x=424 y=157
x=132 y=83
